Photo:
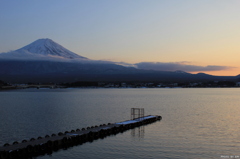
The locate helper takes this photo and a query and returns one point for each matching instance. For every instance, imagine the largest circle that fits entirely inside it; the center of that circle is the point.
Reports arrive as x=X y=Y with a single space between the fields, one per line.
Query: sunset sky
x=188 y=35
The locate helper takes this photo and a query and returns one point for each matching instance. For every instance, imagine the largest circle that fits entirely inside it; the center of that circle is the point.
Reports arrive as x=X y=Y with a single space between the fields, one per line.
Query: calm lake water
x=197 y=123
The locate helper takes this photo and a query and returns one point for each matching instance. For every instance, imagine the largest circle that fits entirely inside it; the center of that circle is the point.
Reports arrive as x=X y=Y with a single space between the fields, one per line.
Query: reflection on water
x=138 y=132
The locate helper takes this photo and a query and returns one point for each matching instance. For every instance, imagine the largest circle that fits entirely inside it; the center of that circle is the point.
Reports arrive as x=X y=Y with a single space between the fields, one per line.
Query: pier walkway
x=49 y=143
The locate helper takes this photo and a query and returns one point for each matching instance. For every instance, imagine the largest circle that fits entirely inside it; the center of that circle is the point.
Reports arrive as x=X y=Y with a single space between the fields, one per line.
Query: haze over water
x=197 y=123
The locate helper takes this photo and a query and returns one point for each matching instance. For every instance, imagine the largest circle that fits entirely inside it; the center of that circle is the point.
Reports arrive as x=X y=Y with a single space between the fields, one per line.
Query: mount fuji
x=49 y=48
x=46 y=61
x=42 y=49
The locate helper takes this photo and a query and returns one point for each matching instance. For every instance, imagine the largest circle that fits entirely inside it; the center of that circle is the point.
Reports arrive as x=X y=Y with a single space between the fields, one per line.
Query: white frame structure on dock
x=137 y=113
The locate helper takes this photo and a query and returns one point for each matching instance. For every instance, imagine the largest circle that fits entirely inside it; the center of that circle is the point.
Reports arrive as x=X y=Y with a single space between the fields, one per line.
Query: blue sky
x=195 y=33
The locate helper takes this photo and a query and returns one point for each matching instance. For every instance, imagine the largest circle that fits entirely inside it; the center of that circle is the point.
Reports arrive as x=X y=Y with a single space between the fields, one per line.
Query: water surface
x=197 y=123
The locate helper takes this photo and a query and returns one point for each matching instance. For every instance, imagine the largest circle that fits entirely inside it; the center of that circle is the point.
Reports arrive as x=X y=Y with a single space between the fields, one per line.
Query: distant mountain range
x=46 y=61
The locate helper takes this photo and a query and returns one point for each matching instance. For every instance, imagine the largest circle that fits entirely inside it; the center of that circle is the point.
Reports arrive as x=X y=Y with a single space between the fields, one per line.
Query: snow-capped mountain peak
x=50 y=48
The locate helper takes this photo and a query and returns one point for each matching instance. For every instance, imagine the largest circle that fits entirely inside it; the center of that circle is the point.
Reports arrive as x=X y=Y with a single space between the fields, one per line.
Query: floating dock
x=49 y=143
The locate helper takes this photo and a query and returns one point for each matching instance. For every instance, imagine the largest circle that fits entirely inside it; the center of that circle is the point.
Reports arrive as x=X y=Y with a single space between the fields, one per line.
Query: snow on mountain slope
x=43 y=48
x=49 y=47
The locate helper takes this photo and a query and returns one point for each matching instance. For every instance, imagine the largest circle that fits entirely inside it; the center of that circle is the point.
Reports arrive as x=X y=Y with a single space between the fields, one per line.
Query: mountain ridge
x=46 y=61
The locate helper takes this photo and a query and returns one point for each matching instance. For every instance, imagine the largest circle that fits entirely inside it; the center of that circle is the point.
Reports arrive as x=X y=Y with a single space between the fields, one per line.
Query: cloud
x=158 y=66
x=28 y=56
x=25 y=55
x=183 y=66
x=125 y=64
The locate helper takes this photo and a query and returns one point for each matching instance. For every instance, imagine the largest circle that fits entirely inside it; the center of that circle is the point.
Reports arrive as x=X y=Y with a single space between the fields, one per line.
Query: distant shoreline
x=3 y=88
